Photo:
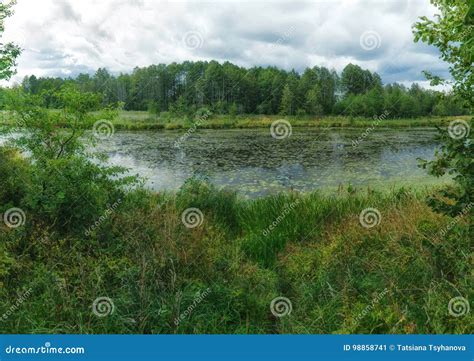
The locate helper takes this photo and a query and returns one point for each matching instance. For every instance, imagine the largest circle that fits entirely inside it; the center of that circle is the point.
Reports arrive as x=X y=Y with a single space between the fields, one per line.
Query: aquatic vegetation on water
x=256 y=164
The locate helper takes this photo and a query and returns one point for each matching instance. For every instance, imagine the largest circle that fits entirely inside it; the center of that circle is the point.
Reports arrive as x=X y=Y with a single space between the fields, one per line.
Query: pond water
x=252 y=162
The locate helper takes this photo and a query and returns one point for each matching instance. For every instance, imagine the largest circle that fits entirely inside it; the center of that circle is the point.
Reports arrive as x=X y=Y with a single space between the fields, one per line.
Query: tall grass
x=141 y=120
x=317 y=254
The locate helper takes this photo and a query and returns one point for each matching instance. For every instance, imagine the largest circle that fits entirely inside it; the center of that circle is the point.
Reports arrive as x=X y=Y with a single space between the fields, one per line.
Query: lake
x=253 y=163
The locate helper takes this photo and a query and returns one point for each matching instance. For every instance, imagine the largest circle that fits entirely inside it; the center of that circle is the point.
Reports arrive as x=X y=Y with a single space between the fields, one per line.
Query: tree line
x=186 y=88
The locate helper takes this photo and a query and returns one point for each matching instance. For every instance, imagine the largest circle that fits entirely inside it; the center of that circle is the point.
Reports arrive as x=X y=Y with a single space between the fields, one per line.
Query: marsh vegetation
x=336 y=218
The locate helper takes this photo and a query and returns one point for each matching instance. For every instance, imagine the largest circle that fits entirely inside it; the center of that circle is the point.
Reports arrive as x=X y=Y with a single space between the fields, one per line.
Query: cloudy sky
x=67 y=37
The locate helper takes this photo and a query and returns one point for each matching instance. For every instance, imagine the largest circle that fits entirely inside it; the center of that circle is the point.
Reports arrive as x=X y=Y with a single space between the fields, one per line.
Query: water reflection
x=255 y=164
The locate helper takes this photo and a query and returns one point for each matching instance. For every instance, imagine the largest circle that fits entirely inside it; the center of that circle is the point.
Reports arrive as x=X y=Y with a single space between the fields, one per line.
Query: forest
x=184 y=89
x=343 y=230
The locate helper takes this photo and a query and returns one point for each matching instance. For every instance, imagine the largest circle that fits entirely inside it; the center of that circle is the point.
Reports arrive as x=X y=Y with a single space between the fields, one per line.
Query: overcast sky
x=67 y=37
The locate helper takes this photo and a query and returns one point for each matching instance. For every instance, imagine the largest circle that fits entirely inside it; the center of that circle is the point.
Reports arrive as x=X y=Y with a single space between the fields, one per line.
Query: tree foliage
x=9 y=51
x=452 y=32
x=62 y=170
x=226 y=88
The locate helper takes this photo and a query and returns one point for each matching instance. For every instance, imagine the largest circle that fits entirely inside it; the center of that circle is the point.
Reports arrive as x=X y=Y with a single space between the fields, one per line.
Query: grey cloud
x=123 y=34
x=66 y=11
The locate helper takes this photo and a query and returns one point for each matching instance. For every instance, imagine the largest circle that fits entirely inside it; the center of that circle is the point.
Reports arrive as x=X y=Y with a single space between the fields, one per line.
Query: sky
x=67 y=37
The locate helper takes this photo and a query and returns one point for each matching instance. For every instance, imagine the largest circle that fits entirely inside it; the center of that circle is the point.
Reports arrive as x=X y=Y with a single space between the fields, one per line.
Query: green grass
x=90 y=234
x=140 y=120
x=317 y=255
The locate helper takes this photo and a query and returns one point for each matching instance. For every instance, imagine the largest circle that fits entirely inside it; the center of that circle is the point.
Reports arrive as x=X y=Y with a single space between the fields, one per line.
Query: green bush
x=91 y=233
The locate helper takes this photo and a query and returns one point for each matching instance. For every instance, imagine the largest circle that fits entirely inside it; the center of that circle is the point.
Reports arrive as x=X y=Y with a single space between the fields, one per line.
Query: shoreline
x=255 y=122
x=141 y=120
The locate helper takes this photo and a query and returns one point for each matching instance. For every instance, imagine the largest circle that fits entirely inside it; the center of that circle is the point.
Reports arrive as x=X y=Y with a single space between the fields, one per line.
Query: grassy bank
x=142 y=120
x=136 y=120
x=162 y=276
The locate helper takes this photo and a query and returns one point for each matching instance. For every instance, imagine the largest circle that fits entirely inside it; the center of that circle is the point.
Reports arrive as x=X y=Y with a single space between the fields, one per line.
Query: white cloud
x=63 y=38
